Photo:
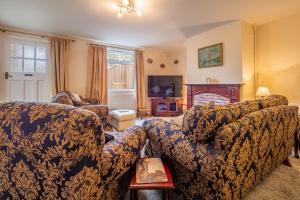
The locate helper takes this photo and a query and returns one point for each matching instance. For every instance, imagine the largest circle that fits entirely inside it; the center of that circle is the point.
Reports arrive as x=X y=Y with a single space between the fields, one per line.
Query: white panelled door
x=27 y=72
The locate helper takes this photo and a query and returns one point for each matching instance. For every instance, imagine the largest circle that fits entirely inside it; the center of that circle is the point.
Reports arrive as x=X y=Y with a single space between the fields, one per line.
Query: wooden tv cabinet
x=166 y=107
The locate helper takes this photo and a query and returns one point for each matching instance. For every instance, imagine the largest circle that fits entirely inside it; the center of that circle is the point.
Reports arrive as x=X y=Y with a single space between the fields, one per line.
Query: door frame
x=7 y=38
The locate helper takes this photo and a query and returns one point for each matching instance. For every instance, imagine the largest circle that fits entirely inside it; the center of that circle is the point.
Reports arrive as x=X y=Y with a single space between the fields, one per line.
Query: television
x=164 y=86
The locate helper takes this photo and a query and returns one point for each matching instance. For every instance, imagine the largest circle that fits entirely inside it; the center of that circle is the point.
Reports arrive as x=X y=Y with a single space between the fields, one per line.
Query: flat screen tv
x=164 y=86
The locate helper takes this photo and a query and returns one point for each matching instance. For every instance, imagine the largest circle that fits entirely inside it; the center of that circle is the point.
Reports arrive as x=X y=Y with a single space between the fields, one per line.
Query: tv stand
x=166 y=106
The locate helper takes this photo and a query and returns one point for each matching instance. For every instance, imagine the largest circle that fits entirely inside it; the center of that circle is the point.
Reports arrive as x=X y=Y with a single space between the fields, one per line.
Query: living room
x=90 y=89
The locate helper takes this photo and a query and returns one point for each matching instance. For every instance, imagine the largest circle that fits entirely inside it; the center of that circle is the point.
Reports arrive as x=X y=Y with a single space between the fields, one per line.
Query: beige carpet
x=282 y=184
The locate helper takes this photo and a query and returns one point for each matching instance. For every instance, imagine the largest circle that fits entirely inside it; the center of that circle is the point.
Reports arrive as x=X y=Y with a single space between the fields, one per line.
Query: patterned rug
x=283 y=183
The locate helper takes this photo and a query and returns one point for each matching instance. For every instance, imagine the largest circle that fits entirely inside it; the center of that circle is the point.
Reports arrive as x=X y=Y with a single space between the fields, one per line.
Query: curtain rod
x=115 y=46
x=33 y=34
x=91 y=41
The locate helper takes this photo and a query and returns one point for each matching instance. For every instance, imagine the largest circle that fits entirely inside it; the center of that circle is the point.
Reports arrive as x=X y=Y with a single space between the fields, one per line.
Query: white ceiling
x=165 y=24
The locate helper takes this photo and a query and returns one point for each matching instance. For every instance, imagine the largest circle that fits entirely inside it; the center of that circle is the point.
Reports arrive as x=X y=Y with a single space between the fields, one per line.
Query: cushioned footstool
x=123 y=119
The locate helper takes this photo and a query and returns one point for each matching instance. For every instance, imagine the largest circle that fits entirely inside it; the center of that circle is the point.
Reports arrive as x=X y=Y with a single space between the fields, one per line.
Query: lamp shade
x=263 y=92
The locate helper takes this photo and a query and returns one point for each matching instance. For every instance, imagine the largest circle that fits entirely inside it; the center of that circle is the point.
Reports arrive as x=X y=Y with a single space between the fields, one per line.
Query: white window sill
x=121 y=92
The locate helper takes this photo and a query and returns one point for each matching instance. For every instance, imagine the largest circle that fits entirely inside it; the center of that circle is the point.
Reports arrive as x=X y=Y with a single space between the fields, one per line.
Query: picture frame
x=210 y=56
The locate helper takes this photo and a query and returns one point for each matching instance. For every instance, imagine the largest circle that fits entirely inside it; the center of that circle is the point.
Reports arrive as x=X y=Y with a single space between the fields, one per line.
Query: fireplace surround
x=218 y=93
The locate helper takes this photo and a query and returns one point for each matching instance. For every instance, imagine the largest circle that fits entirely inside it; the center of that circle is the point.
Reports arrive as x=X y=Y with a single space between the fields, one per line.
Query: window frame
x=124 y=63
x=35 y=44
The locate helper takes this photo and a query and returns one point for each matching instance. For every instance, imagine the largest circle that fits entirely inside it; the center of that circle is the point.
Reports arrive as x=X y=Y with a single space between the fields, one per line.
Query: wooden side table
x=165 y=186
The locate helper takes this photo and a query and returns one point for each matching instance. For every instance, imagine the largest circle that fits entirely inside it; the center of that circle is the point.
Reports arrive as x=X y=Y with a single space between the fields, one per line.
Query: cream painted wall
x=238 y=67
x=248 y=89
x=278 y=57
x=231 y=71
x=167 y=58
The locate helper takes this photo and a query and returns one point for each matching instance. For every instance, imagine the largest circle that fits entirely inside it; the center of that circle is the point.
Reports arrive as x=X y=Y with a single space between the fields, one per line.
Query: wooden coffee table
x=165 y=186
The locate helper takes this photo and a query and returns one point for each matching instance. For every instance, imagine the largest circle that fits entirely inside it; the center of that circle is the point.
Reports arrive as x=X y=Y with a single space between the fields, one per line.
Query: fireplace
x=220 y=94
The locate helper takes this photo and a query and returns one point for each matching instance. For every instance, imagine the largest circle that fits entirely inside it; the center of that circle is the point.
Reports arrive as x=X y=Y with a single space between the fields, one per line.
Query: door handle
x=7 y=75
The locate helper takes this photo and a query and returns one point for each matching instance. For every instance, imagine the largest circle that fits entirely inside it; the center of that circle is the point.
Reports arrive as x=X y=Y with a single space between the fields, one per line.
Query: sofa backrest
x=49 y=148
x=253 y=146
x=201 y=122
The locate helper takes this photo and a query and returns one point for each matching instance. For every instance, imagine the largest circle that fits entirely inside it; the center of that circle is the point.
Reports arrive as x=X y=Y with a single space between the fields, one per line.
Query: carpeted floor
x=282 y=184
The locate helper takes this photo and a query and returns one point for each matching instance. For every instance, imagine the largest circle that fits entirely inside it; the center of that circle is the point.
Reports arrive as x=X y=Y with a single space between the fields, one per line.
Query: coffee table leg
x=170 y=194
x=133 y=194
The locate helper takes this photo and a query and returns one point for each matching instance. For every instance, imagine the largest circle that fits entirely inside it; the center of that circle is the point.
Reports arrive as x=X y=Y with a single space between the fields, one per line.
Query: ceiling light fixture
x=129 y=7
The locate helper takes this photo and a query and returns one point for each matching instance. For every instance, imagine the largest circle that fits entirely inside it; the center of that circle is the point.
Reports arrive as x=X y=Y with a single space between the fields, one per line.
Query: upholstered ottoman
x=123 y=119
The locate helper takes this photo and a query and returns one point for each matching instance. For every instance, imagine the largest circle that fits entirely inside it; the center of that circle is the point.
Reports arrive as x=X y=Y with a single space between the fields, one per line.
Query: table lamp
x=262 y=92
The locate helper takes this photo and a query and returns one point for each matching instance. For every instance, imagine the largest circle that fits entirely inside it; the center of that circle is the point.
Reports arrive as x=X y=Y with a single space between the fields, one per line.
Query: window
x=121 y=69
x=28 y=57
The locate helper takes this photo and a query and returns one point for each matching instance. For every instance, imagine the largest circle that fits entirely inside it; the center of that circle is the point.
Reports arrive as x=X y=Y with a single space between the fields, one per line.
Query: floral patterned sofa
x=72 y=99
x=53 y=151
x=221 y=152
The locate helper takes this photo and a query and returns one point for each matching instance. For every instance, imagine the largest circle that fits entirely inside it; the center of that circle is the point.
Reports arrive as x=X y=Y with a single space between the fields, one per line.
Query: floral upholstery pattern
x=66 y=97
x=62 y=98
x=201 y=121
x=102 y=111
x=239 y=155
x=53 y=151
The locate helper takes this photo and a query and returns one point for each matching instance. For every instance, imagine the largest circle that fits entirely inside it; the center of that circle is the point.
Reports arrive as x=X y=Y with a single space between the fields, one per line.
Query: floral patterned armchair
x=52 y=151
x=68 y=98
x=221 y=152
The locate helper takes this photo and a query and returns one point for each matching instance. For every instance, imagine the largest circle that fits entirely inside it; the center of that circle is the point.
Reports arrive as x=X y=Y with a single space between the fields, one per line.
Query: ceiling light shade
x=126 y=2
x=129 y=7
x=120 y=15
x=263 y=92
x=139 y=13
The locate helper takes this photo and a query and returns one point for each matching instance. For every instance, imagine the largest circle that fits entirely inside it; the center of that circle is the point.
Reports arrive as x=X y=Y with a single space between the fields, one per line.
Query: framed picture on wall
x=210 y=56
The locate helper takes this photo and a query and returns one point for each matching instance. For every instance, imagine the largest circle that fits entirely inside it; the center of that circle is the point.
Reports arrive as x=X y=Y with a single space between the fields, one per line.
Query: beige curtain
x=140 y=81
x=98 y=73
x=60 y=55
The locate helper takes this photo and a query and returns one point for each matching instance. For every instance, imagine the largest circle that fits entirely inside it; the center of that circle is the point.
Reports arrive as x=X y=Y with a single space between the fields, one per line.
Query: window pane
x=28 y=51
x=121 y=67
x=41 y=66
x=16 y=50
x=28 y=65
x=15 y=65
x=120 y=56
x=120 y=76
x=41 y=52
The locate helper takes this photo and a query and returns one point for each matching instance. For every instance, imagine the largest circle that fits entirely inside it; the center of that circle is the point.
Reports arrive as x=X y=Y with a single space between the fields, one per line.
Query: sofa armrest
x=168 y=139
x=103 y=113
x=101 y=110
x=90 y=100
x=120 y=154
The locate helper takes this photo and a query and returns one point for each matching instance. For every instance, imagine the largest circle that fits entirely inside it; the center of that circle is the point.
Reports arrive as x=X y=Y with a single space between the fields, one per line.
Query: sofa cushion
x=76 y=97
x=62 y=98
x=201 y=122
x=191 y=119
